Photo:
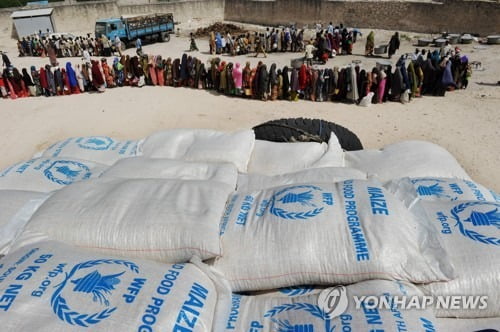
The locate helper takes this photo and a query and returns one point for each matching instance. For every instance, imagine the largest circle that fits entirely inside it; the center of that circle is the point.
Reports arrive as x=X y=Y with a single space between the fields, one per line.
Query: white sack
x=410 y=190
x=406 y=159
x=164 y=220
x=147 y=168
x=253 y=182
x=470 y=231
x=48 y=174
x=100 y=149
x=334 y=155
x=15 y=209
x=271 y=158
x=325 y=234
x=51 y=287
x=307 y=314
x=366 y=101
x=201 y=145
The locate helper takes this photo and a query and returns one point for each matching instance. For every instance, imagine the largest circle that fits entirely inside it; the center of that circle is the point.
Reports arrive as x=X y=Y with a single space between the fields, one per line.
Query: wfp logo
x=96 y=143
x=479 y=221
x=300 y=202
x=296 y=290
x=65 y=172
x=95 y=287
x=332 y=302
x=430 y=187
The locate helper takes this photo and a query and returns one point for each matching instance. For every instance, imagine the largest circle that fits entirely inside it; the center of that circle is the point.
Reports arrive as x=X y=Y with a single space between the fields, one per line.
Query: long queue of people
x=327 y=42
x=65 y=46
x=423 y=74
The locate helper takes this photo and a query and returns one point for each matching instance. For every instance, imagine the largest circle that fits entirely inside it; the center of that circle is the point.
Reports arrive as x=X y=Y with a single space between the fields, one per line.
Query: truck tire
x=306 y=130
x=164 y=37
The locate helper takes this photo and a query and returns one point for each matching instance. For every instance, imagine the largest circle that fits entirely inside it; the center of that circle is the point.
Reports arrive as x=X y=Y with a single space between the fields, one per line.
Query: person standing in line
x=394 y=44
x=259 y=42
x=138 y=46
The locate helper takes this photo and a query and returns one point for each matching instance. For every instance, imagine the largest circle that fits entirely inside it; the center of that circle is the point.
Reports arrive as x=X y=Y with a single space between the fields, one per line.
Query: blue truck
x=154 y=27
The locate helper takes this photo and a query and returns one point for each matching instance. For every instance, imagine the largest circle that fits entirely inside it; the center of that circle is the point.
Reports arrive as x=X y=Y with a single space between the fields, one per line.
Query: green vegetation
x=18 y=3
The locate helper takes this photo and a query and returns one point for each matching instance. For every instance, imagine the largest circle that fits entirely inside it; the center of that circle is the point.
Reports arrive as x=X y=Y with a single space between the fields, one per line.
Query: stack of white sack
x=202 y=145
x=164 y=220
x=406 y=159
x=148 y=168
x=100 y=149
x=16 y=208
x=52 y=287
x=350 y=308
x=466 y=216
x=48 y=174
x=337 y=233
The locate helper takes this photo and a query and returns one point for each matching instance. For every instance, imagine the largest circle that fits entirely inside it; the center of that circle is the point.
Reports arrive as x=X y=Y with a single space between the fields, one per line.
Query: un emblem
x=87 y=283
x=96 y=143
x=65 y=172
x=299 y=202
x=479 y=221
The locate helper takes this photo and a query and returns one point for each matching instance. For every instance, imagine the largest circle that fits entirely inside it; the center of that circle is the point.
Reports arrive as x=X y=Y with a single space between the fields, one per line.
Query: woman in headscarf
x=153 y=79
x=191 y=67
x=286 y=84
x=73 y=82
x=374 y=86
x=67 y=85
x=50 y=80
x=176 y=72
x=222 y=77
x=238 y=78
x=212 y=43
x=58 y=78
x=247 y=84
x=381 y=86
x=352 y=93
x=107 y=73
x=44 y=83
x=18 y=85
x=36 y=80
x=393 y=44
x=273 y=82
x=303 y=78
x=218 y=43
x=168 y=72
x=447 y=81
x=119 y=72
x=229 y=79
x=28 y=83
x=255 y=80
x=184 y=74
x=414 y=84
x=313 y=74
x=294 y=85
x=158 y=61
x=370 y=44
x=397 y=85
x=97 y=79
x=280 y=84
x=80 y=78
x=263 y=80
x=203 y=77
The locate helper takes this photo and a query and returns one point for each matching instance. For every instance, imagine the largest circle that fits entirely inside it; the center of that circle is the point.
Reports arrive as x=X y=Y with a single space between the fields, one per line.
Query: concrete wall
x=455 y=16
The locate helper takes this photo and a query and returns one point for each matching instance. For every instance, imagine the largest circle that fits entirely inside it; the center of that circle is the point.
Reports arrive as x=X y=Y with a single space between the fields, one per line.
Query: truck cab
x=110 y=28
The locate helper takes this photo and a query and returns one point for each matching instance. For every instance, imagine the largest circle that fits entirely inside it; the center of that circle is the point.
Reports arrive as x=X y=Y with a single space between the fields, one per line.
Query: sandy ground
x=464 y=122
